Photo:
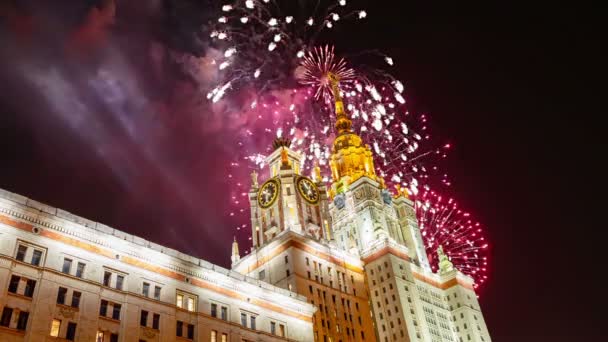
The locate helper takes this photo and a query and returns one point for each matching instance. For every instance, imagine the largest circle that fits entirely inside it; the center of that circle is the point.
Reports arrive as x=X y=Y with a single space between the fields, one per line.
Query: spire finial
x=343 y=123
x=235 y=257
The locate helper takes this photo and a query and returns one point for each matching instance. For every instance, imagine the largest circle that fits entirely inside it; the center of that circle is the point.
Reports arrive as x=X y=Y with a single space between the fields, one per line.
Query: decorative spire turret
x=445 y=265
x=351 y=158
x=235 y=252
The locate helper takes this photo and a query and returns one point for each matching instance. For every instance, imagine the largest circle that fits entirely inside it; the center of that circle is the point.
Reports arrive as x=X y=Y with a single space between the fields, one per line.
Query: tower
x=355 y=251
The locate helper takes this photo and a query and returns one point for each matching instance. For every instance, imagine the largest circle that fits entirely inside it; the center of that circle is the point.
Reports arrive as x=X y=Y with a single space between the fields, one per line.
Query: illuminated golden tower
x=351 y=159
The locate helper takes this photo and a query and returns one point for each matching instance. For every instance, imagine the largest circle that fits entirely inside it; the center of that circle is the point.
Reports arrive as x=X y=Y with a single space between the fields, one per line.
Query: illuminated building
x=354 y=250
x=63 y=277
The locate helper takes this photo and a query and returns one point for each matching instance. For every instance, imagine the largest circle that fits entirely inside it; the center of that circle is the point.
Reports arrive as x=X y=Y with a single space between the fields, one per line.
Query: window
x=67 y=265
x=99 y=337
x=55 y=327
x=224 y=337
x=116 y=311
x=113 y=337
x=224 y=313
x=143 y=318
x=286 y=259
x=145 y=289
x=273 y=328
x=213 y=336
x=36 y=257
x=61 y=295
x=80 y=270
x=190 y=331
x=76 y=299
x=119 y=280
x=30 y=285
x=282 y=330
x=157 y=292
x=22 y=320
x=287 y=273
x=103 y=308
x=186 y=301
x=14 y=284
x=156 y=321
x=243 y=319
x=7 y=313
x=71 y=333
x=190 y=304
x=106 y=278
x=213 y=310
x=21 y=250
x=262 y=274
x=178 y=328
x=252 y=319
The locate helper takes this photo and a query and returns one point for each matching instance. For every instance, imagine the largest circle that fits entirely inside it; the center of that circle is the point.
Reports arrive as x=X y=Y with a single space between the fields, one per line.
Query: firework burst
x=442 y=223
x=320 y=65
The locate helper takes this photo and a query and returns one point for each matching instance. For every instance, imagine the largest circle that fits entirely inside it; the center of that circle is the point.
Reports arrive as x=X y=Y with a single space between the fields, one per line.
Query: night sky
x=513 y=86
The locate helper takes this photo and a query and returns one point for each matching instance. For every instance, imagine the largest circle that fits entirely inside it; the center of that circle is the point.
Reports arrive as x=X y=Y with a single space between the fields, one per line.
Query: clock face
x=268 y=193
x=308 y=190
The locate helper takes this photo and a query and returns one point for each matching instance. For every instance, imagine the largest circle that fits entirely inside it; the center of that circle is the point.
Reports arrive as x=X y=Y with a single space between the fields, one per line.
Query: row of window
x=7 y=318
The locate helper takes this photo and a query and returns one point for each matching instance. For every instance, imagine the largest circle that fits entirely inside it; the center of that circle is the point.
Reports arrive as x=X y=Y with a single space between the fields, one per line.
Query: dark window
x=156 y=321
x=116 y=311
x=213 y=310
x=14 y=284
x=67 y=265
x=76 y=299
x=61 y=295
x=30 y=285
x=286 y=259
x=114 y=338
x=191 y=331
x=80 y=270
x=36 y=257
x=157 y=292
x=21 y=250
x=106 y=278
x=224 y=313
x=103 y=308
x=22 y=321
x=273 y=328
x=243 y=319
x=287 y=273
x=143 y=319
x=145 y=290
x=252 y=322
x=119 y=280
x=71 y=333
x=179 y=327
x=7 y=313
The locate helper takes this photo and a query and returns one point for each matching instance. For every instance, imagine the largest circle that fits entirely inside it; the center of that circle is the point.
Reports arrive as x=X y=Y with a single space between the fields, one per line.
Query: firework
x=442 y=223
x=274 y=72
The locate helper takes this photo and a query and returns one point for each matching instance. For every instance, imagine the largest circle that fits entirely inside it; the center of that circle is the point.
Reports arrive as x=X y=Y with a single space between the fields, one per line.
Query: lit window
x=282 y=330
x=180 y=301
x=213 y=336
x=56 y=326
x=98 y=338
x=224 y=337
x=190 y=304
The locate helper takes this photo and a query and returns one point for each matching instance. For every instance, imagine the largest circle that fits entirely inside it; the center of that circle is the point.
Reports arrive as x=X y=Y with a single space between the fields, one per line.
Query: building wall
x=331 y=282
x=59 y=235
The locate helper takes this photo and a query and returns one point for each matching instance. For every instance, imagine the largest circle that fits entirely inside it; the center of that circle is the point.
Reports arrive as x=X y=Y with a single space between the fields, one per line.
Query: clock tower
x=287 y=200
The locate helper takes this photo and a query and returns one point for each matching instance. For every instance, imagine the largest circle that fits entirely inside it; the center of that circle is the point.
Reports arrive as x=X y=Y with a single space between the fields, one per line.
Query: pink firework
x=442 y=223
x=321 y=62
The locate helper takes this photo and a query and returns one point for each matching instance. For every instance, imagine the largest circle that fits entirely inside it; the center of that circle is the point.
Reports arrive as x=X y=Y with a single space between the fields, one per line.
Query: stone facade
x=366 y=268
x=63 y=277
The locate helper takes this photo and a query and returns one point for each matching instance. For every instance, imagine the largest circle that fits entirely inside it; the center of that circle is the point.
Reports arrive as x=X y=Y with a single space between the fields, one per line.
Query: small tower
x=445 y=265
x=235 y=252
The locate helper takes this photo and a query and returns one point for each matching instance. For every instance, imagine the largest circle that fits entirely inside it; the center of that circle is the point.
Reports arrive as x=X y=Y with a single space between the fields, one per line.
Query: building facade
x=354 y=250
x=65 y=278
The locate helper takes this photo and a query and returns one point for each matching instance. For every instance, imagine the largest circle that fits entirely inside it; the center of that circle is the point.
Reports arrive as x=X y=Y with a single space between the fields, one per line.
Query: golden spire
x=351 y=159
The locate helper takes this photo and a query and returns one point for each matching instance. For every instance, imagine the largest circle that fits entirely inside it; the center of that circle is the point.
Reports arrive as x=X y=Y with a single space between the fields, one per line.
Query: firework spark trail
x=272 y=63
x=443 y=224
